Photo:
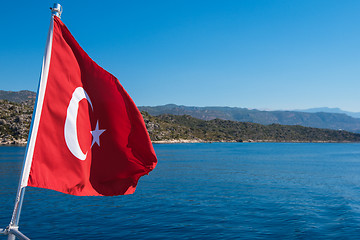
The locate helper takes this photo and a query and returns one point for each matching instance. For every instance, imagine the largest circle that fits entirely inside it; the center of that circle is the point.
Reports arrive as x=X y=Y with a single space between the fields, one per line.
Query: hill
x=327 y=118
x=15 y=119
x=335 y=121
x=18 y=97
x=184 y=127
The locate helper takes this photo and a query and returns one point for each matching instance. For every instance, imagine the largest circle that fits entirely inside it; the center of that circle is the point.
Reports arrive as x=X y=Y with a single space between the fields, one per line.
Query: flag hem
x=38 y=107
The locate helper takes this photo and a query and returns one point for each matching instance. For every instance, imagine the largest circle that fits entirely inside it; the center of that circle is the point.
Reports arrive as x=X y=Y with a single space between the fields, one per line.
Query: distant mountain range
x=336 y=121
x=330 y=110
x=328 y=118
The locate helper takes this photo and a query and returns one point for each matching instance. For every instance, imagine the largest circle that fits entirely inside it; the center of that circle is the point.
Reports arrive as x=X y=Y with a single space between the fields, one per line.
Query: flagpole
x=12 y=230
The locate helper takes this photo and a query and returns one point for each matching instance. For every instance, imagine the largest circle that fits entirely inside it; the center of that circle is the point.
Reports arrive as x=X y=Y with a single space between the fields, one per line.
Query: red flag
x=91 y=138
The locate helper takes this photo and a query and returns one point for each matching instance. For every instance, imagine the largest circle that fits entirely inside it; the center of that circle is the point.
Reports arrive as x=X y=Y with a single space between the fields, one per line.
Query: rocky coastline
x=15 y=120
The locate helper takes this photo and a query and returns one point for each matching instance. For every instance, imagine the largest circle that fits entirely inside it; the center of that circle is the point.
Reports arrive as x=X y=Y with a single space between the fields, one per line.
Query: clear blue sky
x=266 y=54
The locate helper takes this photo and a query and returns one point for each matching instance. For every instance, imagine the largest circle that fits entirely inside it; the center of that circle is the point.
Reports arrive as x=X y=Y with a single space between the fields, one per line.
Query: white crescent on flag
x=70 y=128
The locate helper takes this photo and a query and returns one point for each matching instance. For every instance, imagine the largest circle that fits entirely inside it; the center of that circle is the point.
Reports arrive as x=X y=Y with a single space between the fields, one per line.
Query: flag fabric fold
x=91 y=138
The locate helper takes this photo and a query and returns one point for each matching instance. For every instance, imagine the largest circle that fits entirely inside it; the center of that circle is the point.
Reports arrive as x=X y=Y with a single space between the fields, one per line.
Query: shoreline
x=175 y=141
x=22 y=143
x=13 y=142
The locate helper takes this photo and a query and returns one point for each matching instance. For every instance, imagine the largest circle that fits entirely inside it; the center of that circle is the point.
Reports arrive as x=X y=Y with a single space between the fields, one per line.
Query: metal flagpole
x=12 y=230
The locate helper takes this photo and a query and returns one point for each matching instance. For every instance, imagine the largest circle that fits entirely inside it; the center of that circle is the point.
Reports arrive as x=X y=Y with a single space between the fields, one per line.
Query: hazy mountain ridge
x=336 y=121
x=330 y=110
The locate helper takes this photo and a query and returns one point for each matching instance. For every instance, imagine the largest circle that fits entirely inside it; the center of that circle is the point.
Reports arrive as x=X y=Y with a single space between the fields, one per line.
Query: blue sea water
x=206 y=191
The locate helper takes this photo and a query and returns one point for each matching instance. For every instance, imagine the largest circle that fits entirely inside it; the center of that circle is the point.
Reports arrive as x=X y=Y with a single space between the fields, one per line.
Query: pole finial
x=56 y=10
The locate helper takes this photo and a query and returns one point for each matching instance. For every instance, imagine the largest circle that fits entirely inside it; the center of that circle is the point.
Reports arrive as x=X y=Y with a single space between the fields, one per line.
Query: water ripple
x=207 y=191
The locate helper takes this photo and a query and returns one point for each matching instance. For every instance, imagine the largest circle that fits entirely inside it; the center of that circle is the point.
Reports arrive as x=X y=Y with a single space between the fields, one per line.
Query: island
x=15 y=121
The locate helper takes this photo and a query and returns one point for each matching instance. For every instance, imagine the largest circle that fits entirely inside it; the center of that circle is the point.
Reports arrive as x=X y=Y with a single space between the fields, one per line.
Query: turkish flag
x=91 y=138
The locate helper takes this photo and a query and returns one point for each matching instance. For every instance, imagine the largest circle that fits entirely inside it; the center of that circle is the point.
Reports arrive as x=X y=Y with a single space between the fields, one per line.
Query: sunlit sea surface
x=206 y=191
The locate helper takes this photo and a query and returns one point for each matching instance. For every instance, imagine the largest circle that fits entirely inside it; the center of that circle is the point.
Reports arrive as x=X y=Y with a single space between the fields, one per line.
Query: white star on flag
x=96 y=134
